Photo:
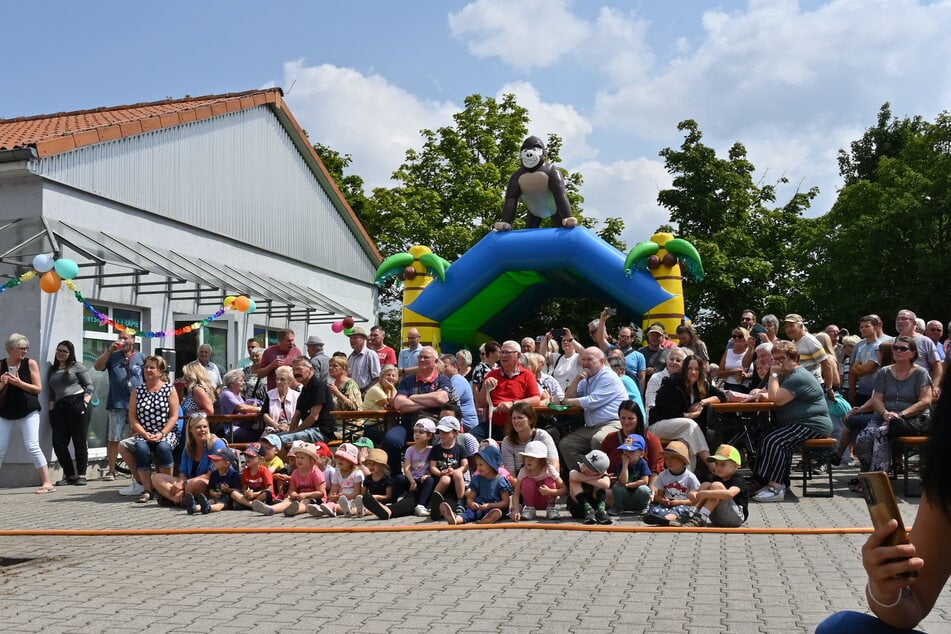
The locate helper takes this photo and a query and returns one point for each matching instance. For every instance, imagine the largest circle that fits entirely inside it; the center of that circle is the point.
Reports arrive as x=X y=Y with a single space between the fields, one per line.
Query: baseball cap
x=223 y=454
x=363 y=441
x=426 y=424
x=273 y=439
x=657 y=327
x=534 y=449
x=633 y=443
x=726 y=452
x=448 y=423
x=794 y=318
x=253 y=449
x=323 y=450
x=597 y=461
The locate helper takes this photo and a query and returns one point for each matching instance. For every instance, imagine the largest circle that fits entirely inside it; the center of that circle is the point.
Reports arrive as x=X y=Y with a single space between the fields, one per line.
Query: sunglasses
x=900 y=348
x=737 y=337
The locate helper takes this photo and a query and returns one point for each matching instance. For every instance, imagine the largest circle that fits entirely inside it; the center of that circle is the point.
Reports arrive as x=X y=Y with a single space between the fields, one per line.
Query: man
x=377 y=344
x=505 y=386
x=833 y=331
x=282 y=353
x=364 y=364
x=204 y=360
x=528 y=344
x=655 y=355
x=625 y=335
x=748 y=321
x=312 y=420
x=865 y=359
x=812 y=356
x=927 y=353
x=469 y=418
x=418 y=395
x=124 y=365
x=251 y=344
x=320 y=361
x=409 y=355
x=489 y=353
x=599 y=392
x=934 y=329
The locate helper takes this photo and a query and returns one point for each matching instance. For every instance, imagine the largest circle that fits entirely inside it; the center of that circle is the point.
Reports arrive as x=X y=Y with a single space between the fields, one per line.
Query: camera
x=610 y=311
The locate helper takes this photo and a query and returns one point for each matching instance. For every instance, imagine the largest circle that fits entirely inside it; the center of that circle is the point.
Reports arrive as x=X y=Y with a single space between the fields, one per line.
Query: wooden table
x=747 y=406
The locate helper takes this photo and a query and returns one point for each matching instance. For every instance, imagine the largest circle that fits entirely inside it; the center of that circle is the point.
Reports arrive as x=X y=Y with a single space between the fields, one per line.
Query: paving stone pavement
x=433 y=581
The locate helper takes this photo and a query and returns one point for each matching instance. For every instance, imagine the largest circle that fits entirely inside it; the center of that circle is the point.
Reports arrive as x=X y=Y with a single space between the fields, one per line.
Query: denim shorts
x=118 y=423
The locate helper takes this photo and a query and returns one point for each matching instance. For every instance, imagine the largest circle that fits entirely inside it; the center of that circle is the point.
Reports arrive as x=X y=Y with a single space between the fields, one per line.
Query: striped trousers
x=776 y=450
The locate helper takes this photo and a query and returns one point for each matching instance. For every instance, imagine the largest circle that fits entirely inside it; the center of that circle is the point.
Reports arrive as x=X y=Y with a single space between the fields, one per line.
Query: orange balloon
x=50 y=282
x=241 y=303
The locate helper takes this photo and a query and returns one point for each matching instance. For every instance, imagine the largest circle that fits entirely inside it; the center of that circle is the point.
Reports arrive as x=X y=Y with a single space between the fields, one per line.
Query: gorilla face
x=532 y=156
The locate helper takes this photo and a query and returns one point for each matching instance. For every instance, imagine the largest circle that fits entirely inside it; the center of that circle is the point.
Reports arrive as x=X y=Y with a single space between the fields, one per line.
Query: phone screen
x=882 y=506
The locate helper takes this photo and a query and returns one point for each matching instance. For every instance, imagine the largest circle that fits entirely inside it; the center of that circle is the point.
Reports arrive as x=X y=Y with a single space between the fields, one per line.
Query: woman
x=735 y=364
x=464 y=363
x=690 y=340
x=199 y=394
x=20 y=388
x=680 y=403
x=567 y=365
x=380 y=395
x=72 y=389
x=345 y=391
x=233 y=403
x=550 y=389
x=281 y=402
x=896 y=599
x=900 y=406
x=617 y=365
x=771 y=324
x=801 y=413
x=153 y=416
x=673 y=365
x=632 y=422
x=854 y=422
x=826 y=342
x=194 y=469
x=254 y=387
x=522 y=428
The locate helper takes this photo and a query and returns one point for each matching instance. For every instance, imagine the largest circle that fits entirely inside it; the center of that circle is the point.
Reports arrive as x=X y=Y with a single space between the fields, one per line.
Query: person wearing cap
x=504 y=387
x=408 y=356
x=724 y=501
x=364 y=363
x=346 y=485
x=312 y=420
x=538 y=485
x=812 y=356
x=282 y=353
x=224 y=481
x=415 y=479
x=588 y=486
x=448 y=462
x=270 y=448
x=307 y=484
x=654 y=352
x=599 y=392
x=376 y=342
x=675 y=488
x=488 y=497
x=318 y=358
x=631 y=492
x=418 y=395
x=257 y=481
x=363 y=445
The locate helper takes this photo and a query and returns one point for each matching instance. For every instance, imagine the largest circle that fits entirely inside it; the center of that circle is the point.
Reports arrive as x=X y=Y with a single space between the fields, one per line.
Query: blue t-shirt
x=635 y=470
x=489 y=490
x=635 y=362
x=470 y=419
x=232 y=479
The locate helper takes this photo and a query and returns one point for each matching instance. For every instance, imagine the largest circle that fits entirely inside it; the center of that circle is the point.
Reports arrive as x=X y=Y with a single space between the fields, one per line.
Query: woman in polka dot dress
x=153 y=415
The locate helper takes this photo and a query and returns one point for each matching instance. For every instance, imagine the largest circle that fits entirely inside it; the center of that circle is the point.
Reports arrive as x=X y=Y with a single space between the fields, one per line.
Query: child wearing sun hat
x=675 y=489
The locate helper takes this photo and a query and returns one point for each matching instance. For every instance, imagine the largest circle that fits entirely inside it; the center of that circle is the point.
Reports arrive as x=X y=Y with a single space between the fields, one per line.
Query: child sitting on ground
x=270 y=446
x=363 y=445
x=378 y=486
x=223 y=481
x=725 y=500
x=674 y=490
x=325 y=459
x=587 y=488
x=345 y=486
x=538 y=485
x=488 y=495
x=631 y=491
x=306 y=486
x=416 y=478
x=448 y=462
x=256 y=480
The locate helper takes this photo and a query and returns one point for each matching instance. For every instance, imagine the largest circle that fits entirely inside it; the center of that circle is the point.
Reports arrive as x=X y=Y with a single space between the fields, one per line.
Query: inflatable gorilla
x=540 y=187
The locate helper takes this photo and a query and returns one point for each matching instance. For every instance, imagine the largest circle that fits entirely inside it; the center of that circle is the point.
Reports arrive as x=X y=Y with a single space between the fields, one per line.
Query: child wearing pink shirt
x=306 y=486
x=539 y=484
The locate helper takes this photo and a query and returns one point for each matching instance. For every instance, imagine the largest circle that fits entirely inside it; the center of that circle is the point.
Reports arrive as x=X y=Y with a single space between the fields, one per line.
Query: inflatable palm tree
x=665 y=257
x=416 y=268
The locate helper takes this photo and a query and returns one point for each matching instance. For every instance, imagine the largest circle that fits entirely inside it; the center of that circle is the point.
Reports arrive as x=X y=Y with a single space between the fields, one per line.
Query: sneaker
x=132 y=490
x=357 y=506
x=434 y=503
x=697 y=520
x=589 y=517
x=420 y=511
x=203 y=504
x=189 y=503
x=528 y=512
x=602 y=517
x=344 y=505
x=446 y=511
x=553 y=514
x=314 y=509
x=293 y=509
x=64 y=482
x=374 y=506
x=656 y=520
x=261 y=507
x=80 y=481
x=770 y=494
x=614 y=511
x=109 y=477
x=329 y=512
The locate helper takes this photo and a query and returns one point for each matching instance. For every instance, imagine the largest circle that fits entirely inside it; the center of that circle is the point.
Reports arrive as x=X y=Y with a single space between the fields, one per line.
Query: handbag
x=839 y=407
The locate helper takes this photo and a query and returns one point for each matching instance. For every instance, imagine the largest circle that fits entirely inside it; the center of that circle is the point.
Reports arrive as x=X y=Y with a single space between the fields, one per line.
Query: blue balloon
x=43 y=263
x=252 y=307
x=66 y=269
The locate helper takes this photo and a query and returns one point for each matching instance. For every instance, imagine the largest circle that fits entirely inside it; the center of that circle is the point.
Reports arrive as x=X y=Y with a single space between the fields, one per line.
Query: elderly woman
x=734 y=367
x=233 y=403
x=801 y=414
x=522 y=428
x=254 y=386
x=900 y=406
x=153 y=416
x=72 y=390
x=690 y=340
x=673 y=365
x=345 y=391
x=464 y=363
x=194 y=469
x=280 y=403
x=199 y=394
x=771 y=324
x=20 y=388
x=680 y=403
x=551 y=391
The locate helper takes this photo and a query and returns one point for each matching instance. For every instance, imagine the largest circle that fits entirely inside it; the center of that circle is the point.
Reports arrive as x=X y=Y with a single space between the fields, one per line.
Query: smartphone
x=882 y=506
x=610 y=311
x=558 y=333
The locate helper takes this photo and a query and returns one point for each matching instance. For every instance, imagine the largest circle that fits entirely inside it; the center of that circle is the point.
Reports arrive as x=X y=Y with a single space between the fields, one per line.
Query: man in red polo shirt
x=507 y=385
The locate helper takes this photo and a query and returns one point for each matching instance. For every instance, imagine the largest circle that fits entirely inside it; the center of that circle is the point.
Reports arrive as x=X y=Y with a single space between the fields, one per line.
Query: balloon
x=229 y=300
x=337 y=326
x=253 y=307
x=348 y=322
x=43 y=262
x=348 y=331
x=66 y=269
x=242 y=303
x=50 y=282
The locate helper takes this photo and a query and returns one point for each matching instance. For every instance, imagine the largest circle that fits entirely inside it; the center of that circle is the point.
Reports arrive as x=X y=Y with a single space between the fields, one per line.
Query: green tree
x=350 y=185
x=747 y=244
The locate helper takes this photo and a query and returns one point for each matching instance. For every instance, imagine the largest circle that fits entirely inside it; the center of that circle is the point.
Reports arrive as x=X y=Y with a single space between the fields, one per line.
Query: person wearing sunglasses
x=736 y=361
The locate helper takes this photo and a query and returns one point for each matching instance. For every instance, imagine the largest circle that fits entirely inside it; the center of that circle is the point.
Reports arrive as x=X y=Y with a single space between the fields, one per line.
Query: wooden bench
x=908 y=445
x=810 y=448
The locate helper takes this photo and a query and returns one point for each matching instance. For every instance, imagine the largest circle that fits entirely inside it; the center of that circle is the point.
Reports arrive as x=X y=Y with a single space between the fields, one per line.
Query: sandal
x=145 y=497
x=45 y=489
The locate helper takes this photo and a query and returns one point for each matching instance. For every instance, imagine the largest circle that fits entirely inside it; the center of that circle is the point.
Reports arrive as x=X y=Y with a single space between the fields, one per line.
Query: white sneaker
x=553 y=514
x=132 y=490
x=344 y=505
x=528 y=512
x=421 y=511
x=770 y=494
x=356 y=506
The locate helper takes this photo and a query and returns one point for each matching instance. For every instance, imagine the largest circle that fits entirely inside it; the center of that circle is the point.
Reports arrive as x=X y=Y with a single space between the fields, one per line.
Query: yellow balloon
x=229 y=300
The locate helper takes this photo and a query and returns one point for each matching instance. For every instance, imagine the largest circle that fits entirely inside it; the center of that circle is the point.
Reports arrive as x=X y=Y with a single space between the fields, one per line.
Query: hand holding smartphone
x=882 y=507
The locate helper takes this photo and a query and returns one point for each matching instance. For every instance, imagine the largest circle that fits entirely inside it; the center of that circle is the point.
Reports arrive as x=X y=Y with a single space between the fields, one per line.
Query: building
x=168 y=208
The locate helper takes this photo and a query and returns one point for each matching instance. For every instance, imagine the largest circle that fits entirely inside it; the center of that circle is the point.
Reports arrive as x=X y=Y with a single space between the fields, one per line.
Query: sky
x=794 y=82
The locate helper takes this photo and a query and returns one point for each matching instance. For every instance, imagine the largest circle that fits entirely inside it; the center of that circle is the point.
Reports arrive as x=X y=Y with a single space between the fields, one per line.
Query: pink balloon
x=337 y=326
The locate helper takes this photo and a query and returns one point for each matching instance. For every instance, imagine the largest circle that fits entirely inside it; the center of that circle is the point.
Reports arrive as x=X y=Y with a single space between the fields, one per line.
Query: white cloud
x=557 y=118
x=366 y=116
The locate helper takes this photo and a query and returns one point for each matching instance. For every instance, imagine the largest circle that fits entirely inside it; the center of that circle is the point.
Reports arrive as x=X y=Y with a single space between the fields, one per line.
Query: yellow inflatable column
x=671 y=312
x=429 y=331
